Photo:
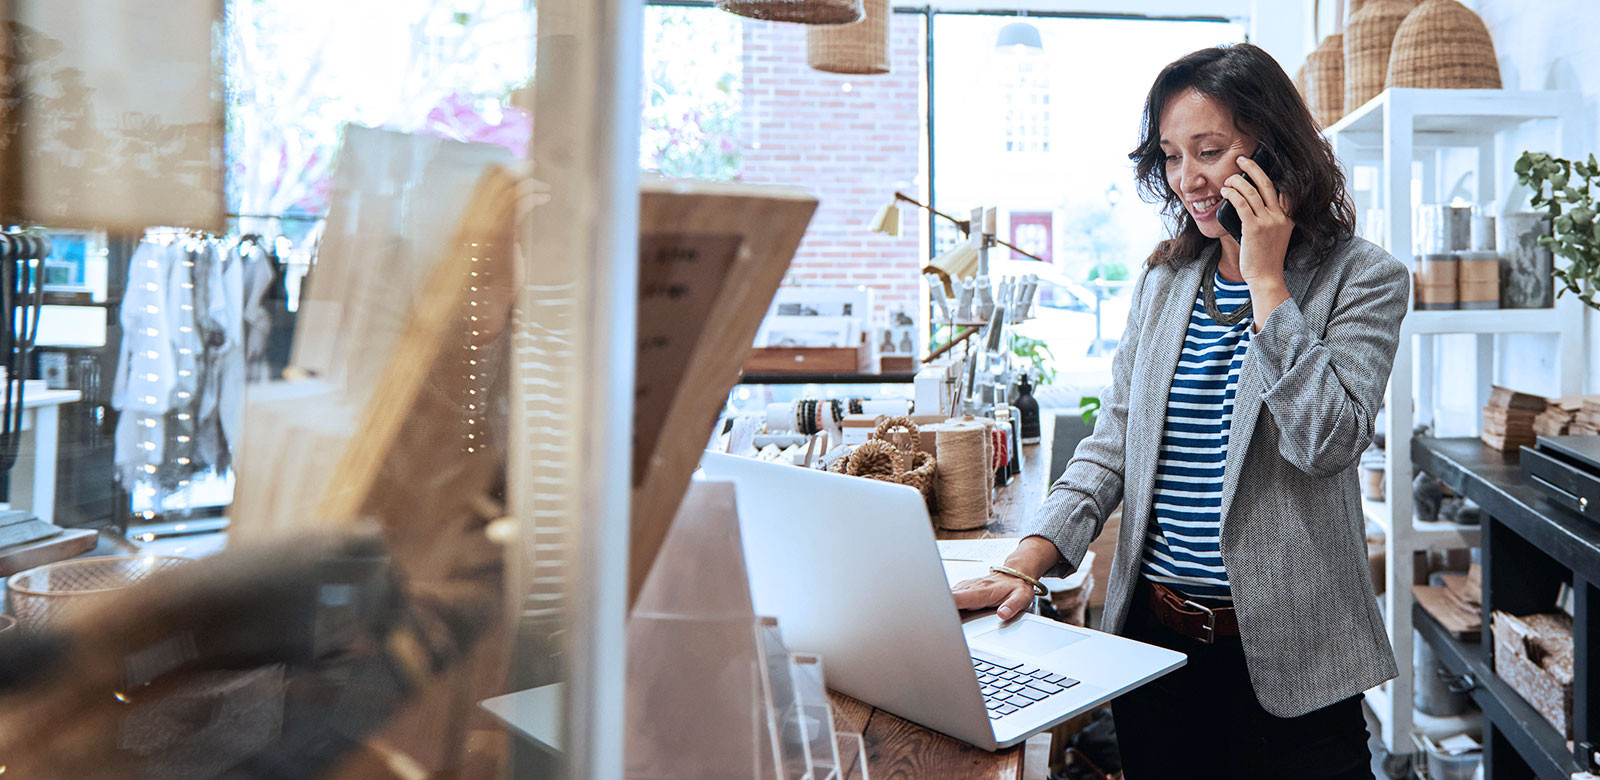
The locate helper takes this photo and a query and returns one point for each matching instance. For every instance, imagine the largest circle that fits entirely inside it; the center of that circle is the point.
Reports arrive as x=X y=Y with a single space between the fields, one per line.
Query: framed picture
x=897 y=340
x=810 y=331
x=805 y=316
x=822 y=302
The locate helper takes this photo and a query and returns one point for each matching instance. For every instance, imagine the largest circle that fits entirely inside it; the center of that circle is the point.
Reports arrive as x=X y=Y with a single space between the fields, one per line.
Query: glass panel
x=258 y=510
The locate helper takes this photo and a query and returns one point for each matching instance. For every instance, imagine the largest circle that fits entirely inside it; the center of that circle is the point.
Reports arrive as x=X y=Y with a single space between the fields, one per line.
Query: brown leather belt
x=1189 y=618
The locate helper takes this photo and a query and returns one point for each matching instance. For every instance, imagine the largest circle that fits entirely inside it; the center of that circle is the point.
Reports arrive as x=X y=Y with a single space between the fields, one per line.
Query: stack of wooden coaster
x=1508 y=419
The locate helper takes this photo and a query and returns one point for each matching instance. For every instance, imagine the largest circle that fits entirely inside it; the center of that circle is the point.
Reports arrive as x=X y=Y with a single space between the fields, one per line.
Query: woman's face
x=1202 y=146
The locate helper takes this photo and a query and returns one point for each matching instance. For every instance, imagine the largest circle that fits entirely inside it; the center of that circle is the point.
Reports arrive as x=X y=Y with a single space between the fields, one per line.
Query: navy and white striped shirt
x=1183 y=548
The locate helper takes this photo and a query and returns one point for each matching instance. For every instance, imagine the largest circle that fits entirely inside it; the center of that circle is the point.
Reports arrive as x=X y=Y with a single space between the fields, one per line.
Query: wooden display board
x=711 y=256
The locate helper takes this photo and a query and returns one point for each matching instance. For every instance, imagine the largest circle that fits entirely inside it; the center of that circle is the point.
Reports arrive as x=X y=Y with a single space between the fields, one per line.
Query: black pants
x=1203 y=721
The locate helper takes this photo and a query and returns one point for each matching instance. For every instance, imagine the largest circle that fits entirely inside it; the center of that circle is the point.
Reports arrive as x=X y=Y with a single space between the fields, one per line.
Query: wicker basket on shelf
x=858 y=49
x=1443 y=45
x=1325 y=80
x=1368 y=38
x=802 y=11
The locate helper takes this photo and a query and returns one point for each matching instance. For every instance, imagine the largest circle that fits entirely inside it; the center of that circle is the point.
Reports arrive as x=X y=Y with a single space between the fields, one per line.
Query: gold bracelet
x=1038 y=587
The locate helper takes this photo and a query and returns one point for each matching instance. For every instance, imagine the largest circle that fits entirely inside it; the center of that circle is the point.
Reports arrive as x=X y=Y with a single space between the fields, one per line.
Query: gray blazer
x=1293 y=534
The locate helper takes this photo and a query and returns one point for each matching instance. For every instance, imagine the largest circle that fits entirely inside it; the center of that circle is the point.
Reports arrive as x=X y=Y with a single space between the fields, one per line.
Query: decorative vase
x=1443 y=45
x=1527 y=279
x=1368 y=38
x=1325 y=80
x=1028 y=410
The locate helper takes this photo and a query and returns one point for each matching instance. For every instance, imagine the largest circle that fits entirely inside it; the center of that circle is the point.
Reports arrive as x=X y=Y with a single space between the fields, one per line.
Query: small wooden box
x=1533 y=654
x=808 y=360
x=903 y=364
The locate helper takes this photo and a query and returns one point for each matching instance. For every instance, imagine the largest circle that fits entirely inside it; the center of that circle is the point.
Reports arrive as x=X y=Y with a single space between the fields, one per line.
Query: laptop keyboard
x=1009 y=686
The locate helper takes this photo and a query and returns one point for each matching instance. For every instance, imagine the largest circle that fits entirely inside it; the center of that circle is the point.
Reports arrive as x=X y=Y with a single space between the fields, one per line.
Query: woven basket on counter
x=44 y=593
x=1325 y=80
x=1368 y=38
x=802 y=11
x=858 y=49
x=1443 y=45
x=881 y=458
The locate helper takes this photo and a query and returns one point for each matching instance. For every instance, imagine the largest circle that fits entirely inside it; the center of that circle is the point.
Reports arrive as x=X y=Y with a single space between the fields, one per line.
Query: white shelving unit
x=1394 y=132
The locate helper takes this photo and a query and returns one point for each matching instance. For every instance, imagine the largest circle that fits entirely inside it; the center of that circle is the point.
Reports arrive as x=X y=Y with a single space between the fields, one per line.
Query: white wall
x=1550 y=44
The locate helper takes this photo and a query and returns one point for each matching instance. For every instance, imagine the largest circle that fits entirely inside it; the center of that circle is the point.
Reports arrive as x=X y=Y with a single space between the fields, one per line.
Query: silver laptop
x=849 y=568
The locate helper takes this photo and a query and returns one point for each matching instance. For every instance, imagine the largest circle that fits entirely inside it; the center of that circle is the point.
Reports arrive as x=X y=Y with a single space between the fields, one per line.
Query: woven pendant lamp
x=1300 y=81
x=802 y=11
x=1325 y=80
x=1368 y=37
x=860 y=48
x=1443 y=45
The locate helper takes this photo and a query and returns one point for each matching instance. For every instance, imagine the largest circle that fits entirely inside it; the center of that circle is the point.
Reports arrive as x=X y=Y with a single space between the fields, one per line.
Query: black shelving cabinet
x=1530 y=547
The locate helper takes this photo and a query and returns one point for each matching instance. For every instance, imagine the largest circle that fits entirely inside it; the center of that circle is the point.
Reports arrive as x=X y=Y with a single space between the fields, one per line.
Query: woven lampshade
x=802 y=11
x=860 y=48
x=1300 y=80
x=1368 y=37
x=1325 y=80
x=1443 y=45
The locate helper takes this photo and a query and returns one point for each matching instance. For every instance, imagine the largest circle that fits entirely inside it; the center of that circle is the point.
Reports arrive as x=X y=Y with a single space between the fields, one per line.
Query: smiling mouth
x=1201 y=208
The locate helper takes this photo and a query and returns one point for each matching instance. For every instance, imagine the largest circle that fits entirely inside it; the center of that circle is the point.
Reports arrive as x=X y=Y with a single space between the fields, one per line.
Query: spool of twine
x=964 y=455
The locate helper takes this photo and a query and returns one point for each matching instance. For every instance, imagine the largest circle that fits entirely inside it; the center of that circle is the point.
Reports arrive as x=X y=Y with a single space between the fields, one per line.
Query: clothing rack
x=21 y=295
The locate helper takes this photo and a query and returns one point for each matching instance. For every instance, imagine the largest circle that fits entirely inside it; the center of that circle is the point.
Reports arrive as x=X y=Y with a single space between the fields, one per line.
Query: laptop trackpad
x=1033 y=637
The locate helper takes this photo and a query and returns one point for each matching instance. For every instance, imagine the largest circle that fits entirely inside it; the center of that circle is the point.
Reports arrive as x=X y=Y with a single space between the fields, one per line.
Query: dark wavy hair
x=1267 y=107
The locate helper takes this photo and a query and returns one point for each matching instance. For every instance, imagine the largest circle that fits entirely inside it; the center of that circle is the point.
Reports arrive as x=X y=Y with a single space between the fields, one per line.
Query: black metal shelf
x=1535 y=740
x=844 y=378
x=1493 y=479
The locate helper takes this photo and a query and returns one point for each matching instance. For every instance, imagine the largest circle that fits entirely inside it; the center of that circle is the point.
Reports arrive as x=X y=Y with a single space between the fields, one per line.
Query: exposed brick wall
x=853 y=149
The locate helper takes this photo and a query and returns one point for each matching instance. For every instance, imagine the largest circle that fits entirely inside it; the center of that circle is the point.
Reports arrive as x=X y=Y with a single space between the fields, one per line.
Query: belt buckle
x=1210 y=624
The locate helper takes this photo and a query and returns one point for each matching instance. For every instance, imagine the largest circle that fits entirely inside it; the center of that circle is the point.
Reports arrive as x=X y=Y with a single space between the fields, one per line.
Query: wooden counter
x=898 y=749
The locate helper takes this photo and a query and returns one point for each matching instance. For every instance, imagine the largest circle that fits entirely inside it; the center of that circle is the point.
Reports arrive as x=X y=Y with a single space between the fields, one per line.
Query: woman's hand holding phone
x=1265 y=223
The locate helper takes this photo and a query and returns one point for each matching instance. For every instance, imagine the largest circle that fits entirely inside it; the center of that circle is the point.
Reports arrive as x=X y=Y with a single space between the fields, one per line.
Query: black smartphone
x=1227 y=215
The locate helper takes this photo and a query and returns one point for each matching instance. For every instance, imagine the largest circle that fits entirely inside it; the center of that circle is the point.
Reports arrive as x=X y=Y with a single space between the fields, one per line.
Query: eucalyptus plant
x=1566 y=190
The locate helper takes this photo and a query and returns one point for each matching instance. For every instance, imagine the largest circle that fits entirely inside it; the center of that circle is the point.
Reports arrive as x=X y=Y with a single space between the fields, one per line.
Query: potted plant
x=1565 y=189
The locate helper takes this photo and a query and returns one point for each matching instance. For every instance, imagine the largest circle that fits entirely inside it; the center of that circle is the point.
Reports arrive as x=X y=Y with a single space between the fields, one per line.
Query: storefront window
x=1042 y=132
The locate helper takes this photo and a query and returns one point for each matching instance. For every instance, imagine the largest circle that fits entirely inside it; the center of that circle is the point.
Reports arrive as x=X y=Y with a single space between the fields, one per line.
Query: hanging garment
x=231 y=365
x=146 y=377
x=258 y=275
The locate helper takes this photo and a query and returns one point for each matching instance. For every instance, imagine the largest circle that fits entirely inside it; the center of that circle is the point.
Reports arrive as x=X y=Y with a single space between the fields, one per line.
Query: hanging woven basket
x=861 y=48
x=1443 y=45
x=1368 y=37
x=802 y=11
x=1325 y=80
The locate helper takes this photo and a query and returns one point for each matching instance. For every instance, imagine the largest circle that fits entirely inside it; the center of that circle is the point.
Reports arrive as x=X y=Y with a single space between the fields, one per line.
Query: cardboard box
x=1533 y=654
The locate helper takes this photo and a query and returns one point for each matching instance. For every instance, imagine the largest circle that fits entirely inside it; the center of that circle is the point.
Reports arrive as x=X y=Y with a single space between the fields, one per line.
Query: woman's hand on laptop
x=1009 y=593
x=1034 y=556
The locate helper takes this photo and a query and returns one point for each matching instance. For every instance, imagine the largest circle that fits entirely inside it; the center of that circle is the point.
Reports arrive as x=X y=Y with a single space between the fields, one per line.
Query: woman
x=1242 y=396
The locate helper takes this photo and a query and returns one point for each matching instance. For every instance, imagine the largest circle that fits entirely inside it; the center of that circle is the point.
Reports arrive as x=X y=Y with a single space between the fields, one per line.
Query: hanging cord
x=21 y=296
